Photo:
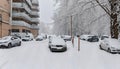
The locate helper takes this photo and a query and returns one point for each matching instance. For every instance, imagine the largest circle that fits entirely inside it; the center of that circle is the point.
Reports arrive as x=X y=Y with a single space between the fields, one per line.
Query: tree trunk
x=114 y=23
x=114 y=26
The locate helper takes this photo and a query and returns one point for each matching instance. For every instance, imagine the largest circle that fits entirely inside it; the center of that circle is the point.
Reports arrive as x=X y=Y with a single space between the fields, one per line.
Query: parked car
x=66 y=37
x=93 y=39
x=110 y=45
x=27 y=37
x=10 y=41
x=39 y=38
x=90 y=38
x=104 y=36
x=85 y=37
x=57 y=45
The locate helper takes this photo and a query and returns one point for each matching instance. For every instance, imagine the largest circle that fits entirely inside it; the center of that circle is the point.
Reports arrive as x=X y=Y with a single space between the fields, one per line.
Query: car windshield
x=58 y=41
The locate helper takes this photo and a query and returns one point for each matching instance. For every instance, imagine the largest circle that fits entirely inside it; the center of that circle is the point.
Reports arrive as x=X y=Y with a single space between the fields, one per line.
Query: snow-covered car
x=39 y=38
x=10 y=41
x=28 y=37
x=90 y=38
x=85 y=37
x=57 y=45
x=104 y=36
x=66 y=37
x=110 y=45
x=93 y=39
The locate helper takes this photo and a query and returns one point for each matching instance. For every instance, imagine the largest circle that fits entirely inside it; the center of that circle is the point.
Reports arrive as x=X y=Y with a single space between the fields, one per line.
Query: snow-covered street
x=36 y=55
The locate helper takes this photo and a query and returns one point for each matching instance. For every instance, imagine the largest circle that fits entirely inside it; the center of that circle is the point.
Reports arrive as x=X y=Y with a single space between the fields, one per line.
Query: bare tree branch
x=104 y=8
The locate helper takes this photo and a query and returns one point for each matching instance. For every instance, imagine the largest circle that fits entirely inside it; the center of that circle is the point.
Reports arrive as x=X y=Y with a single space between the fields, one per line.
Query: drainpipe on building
x=1 y=23
x=11 y=1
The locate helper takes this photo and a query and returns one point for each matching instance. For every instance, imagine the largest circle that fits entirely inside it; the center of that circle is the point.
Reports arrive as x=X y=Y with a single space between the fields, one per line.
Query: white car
x=28 y=37
x=10 y=41
x=57 y=44
x=39 y=38
x=110 y=45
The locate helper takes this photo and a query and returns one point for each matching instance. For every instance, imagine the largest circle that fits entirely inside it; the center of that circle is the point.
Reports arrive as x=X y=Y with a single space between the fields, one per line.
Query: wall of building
x=34 y=32
x=5 y=13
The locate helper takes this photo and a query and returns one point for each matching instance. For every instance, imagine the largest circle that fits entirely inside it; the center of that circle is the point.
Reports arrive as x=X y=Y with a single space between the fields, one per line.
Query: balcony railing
x=17 y=5
x=35 y=13
x=35 y=20
x=21 y=23
x=29 y=2
x=35 y=27
x=21 y=15
x=35 y=8
x=25 y=6
x=35 y=2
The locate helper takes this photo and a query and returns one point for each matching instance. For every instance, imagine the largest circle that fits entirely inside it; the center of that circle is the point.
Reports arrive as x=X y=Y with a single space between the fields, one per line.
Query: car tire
x=100 y=47
x=9 y=45
x=109 y=50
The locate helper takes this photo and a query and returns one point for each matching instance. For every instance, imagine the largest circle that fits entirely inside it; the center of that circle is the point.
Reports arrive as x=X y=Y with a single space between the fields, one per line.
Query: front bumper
x=3 y=44
x=58 y=50
x=115 y=50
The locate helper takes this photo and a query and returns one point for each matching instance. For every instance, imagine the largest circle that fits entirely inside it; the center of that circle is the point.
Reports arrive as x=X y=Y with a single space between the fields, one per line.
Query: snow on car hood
x=58 y=41
x=4 y=39
x=114 y=43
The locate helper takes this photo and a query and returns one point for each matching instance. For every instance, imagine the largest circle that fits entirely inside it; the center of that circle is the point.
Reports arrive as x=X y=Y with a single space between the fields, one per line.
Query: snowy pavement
x=36 y=55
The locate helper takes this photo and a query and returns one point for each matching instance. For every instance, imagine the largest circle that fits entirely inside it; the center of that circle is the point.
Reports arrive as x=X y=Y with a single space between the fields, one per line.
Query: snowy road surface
x=36 y=55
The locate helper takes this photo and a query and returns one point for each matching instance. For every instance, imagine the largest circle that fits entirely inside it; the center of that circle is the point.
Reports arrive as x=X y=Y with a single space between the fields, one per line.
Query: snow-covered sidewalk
x=36 y=55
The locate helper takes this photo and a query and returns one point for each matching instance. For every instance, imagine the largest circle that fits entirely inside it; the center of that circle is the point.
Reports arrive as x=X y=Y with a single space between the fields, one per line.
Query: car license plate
x=59 y=47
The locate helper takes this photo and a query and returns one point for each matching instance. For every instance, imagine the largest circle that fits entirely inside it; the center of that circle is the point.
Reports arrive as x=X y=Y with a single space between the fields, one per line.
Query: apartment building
x=5 y=25
x=25 y=16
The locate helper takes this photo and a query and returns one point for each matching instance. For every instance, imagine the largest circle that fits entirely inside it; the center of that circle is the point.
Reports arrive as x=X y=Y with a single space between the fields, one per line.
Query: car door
x=14 y=40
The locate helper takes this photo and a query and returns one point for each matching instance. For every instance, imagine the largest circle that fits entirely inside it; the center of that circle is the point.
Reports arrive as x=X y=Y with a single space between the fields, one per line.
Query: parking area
x=36 y=55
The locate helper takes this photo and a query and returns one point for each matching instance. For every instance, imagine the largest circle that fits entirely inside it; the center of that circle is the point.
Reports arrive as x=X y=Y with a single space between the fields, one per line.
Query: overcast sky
x=46 y=10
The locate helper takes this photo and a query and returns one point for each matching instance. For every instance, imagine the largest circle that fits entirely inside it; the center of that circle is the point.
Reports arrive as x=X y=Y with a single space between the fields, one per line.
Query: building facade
x=25 y=16
x=5 y=25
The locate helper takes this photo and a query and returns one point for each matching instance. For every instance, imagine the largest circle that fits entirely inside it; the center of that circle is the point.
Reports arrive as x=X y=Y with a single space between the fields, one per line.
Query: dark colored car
x=66 y=38
x=93 y=39
x=103 y=37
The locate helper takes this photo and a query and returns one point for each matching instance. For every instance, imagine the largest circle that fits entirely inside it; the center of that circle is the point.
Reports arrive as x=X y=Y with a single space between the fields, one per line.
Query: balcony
x=21 y=5
x=35 y=8
x=35 y=2
x=20 y=23
x=21 y=15
x=29 y=2
x=35 y=20
x=17 y=5
x=35 y=13
x=35 y=27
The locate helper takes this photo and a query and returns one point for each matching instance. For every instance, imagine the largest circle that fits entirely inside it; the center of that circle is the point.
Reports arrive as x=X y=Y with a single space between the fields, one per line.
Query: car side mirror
x=12 y=38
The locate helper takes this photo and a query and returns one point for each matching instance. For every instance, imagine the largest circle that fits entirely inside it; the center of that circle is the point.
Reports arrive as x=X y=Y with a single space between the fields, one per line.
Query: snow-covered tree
x=112 y=9
x=87 y=18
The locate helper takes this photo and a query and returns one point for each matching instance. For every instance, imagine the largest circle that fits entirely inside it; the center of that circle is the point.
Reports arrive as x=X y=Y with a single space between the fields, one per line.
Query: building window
x=15 y=30
x=25 y=31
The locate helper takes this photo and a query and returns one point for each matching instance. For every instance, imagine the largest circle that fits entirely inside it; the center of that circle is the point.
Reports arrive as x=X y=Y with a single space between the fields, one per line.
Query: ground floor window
x=26 y=31
x=15 y=30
